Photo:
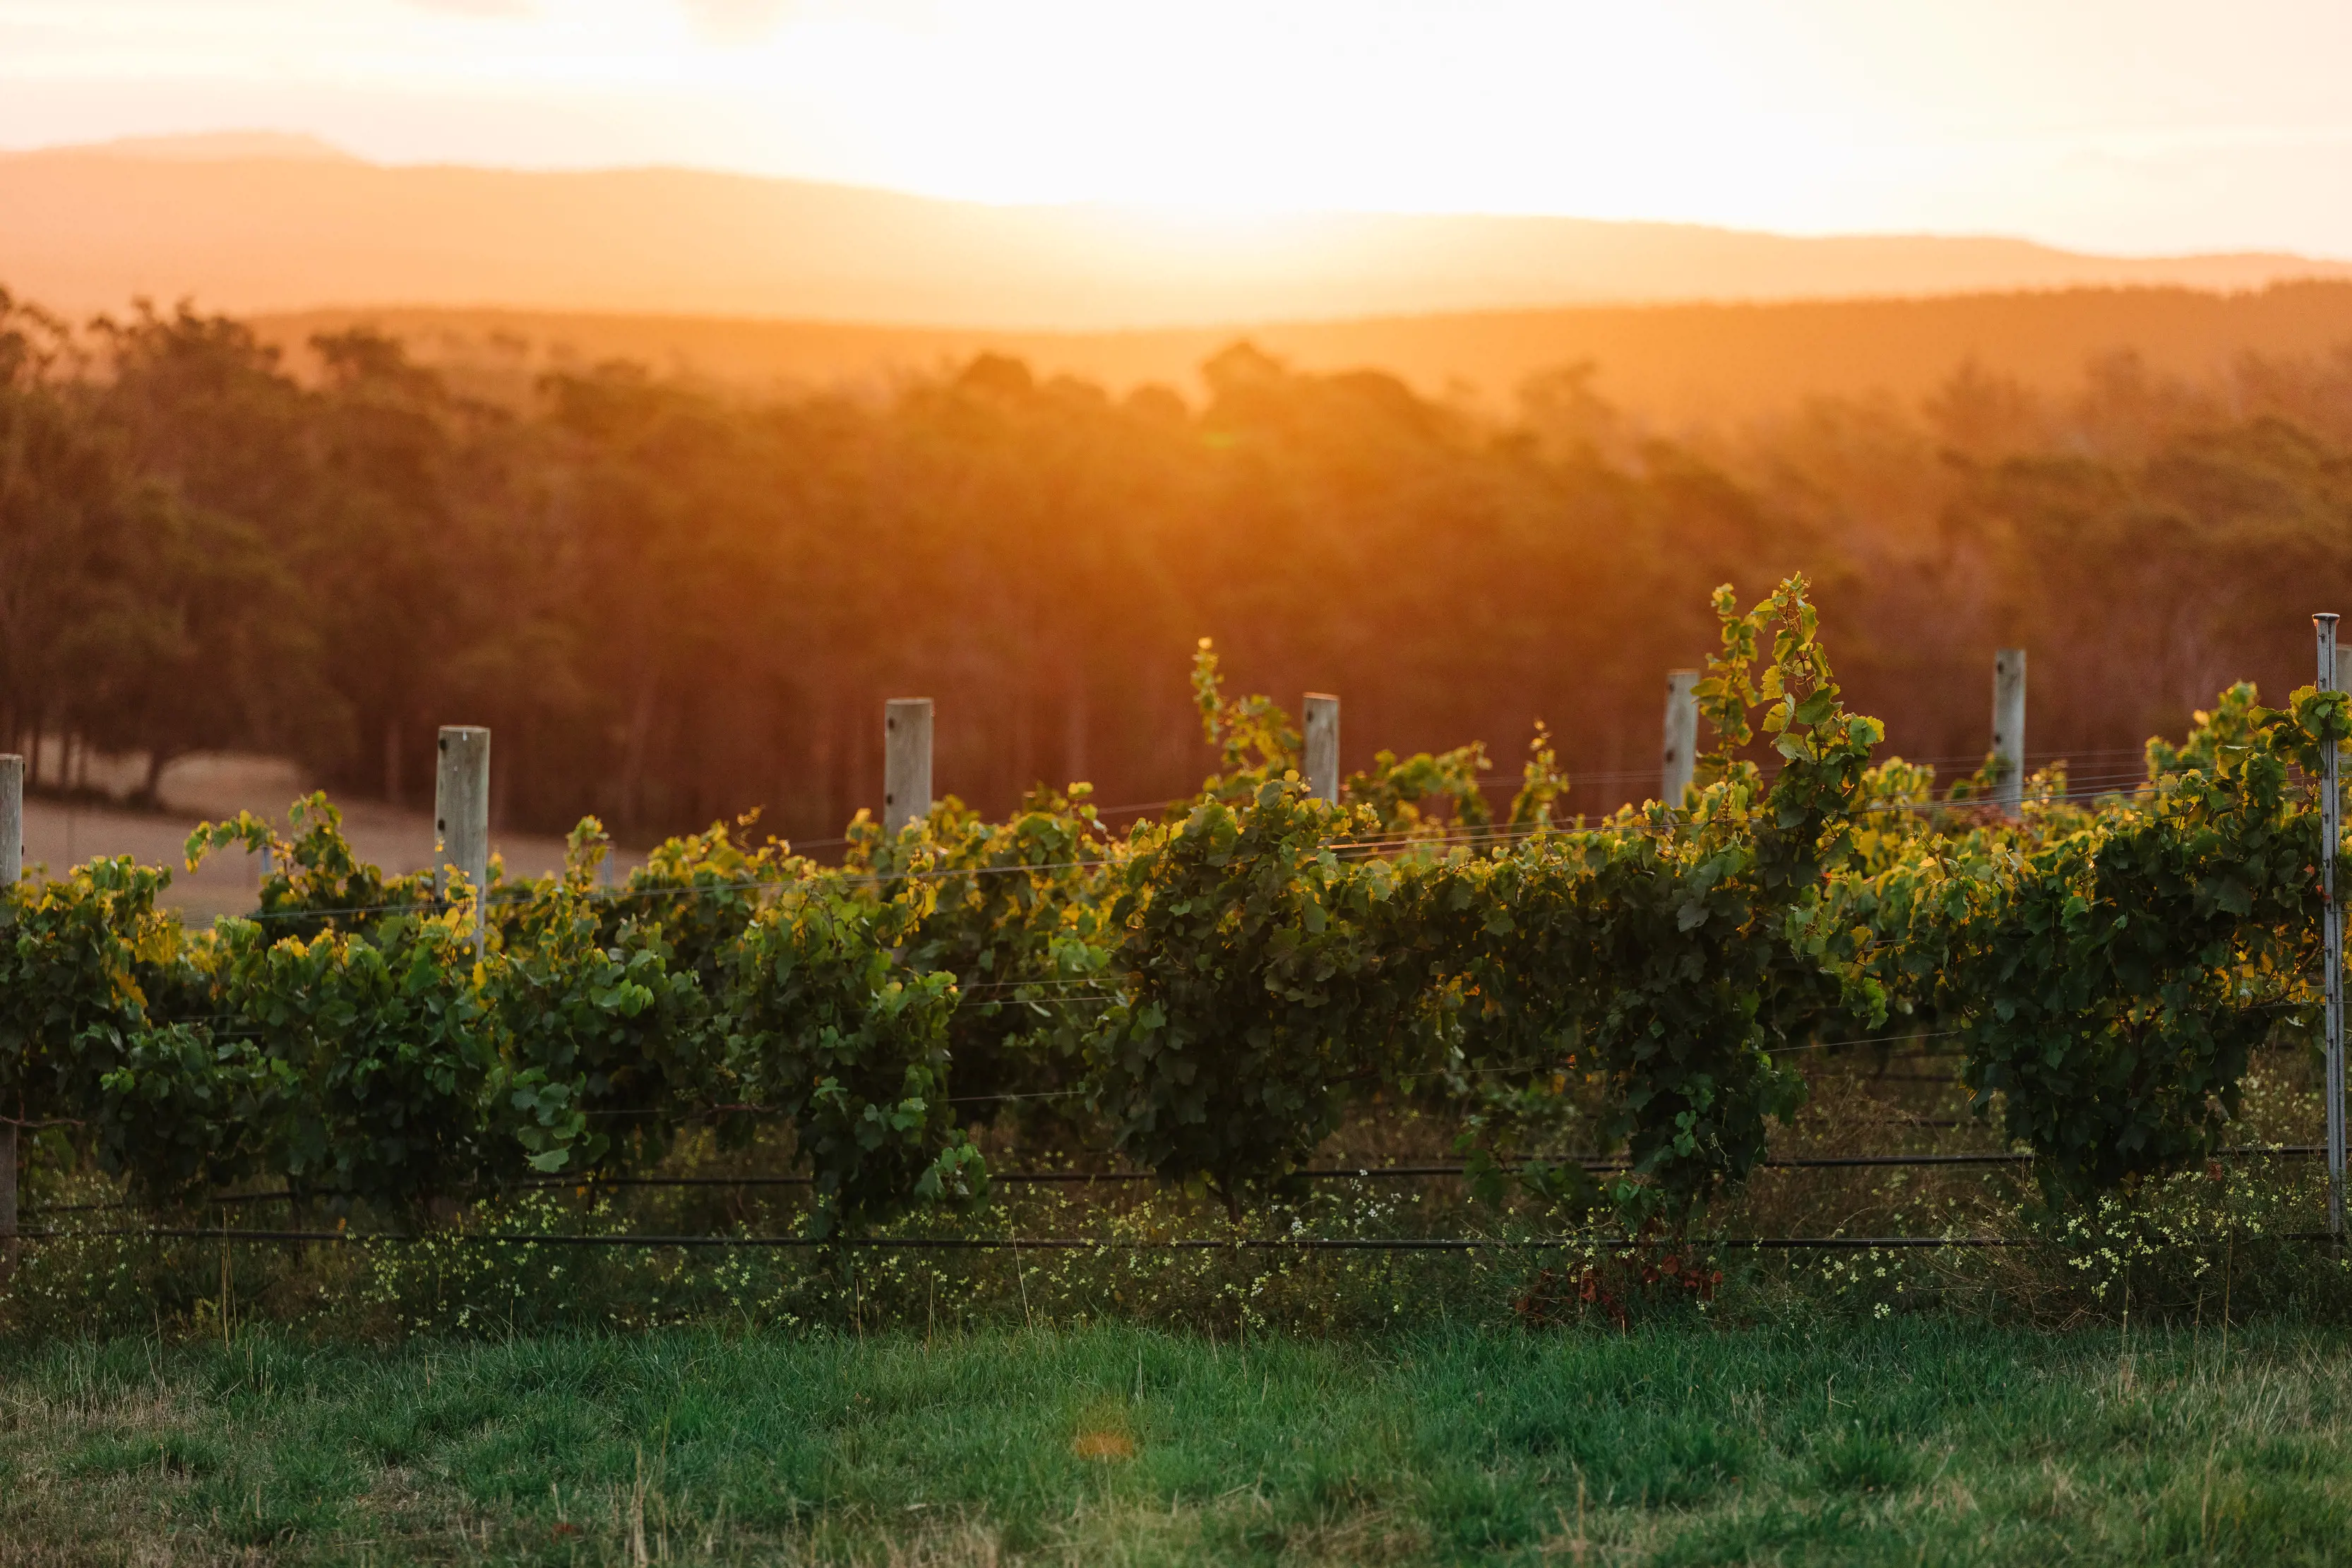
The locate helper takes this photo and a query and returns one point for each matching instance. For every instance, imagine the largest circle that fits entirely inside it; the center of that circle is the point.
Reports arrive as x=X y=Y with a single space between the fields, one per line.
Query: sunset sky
x=2122 y=125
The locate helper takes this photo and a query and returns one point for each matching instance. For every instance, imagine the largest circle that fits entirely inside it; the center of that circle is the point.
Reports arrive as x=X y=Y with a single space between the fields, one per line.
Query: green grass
x=1922 y=1440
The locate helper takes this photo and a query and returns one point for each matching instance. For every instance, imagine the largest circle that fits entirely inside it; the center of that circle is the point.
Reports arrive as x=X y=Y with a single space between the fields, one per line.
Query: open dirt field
x=58 y=834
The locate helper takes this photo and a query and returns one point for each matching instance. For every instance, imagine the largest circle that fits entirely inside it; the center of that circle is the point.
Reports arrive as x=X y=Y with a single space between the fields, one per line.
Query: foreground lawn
x=1906 y=1442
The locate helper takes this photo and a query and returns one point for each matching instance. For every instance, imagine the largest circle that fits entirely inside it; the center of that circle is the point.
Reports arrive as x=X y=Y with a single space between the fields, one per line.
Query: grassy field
x=1917 y=1440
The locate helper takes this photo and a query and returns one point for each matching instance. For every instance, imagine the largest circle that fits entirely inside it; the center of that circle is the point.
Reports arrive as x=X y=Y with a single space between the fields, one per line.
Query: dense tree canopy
x=675 y=604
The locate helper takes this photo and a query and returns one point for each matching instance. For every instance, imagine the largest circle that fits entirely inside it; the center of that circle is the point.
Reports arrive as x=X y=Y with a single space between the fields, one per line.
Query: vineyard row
x=1605 y=1008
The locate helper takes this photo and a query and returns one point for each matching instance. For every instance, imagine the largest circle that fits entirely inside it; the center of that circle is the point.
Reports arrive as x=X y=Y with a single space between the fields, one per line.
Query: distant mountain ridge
x=219 y=147
x=262 y=222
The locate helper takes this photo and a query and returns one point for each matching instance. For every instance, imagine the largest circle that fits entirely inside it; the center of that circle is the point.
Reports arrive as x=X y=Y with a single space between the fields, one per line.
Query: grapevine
x=1211 y=995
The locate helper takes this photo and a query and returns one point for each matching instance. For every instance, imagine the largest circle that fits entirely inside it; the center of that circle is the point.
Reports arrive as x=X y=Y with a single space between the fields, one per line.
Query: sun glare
x=2101 y=123
x=1225 y=108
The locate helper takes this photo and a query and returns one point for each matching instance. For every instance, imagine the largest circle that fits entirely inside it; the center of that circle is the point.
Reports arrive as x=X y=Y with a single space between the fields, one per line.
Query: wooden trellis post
x=1320 y=724
x=906 y=761
x=2009 y=731
x=1678 y=763
x=461 y=817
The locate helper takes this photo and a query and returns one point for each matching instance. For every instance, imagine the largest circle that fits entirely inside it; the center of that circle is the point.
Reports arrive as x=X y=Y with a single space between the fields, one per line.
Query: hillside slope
x=87 y=229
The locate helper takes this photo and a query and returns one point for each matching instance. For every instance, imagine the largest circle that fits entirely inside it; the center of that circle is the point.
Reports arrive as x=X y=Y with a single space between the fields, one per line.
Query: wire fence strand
x=1098 y=1245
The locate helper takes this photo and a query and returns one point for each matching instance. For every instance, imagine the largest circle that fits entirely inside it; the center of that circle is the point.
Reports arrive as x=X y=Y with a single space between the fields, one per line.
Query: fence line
x=1085 y=1244
x=1330 y=1173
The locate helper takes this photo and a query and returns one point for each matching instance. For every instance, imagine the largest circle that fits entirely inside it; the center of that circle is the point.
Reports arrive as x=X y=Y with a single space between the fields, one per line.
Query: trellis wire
x=1088 y=1244
x=1331 y=1173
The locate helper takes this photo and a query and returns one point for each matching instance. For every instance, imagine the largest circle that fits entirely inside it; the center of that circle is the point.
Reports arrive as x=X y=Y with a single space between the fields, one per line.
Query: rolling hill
x=252 y=224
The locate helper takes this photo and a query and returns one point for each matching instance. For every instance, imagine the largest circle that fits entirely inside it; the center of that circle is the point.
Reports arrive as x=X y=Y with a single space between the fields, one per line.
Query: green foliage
x=1255 y=737
x=1805 y=826
x=91 y=971
x=700 y=889
x=315 y=879
x=833 y=1030
x=2233 y=723
x=612 y=1043
x=1398 y=792
x=393 y=1049
x=76 y=955
x=1013 y=911
x=1542 y=784
x=185 y=1107
x=2113 y=980
x=1211 y=995
x=1258 y=988
x=1663 y=957
x=369 y=1039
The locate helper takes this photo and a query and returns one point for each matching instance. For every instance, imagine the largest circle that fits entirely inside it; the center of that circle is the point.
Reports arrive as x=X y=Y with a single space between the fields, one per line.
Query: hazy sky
x=2128 y=125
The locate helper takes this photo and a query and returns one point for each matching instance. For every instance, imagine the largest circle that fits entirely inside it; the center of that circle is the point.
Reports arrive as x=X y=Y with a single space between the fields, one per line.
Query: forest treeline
x=674 y=603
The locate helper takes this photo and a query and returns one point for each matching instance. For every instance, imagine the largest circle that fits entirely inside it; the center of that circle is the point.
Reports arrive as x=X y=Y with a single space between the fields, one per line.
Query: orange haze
x=1671 y=365
x=88 y=229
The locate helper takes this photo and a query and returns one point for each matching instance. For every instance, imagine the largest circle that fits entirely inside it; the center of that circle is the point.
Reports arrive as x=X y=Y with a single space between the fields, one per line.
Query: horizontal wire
x=1630 y=775
x=1327 y=1173
x=1872 y=1040
x=1446 y=837
x=1084 y=1244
